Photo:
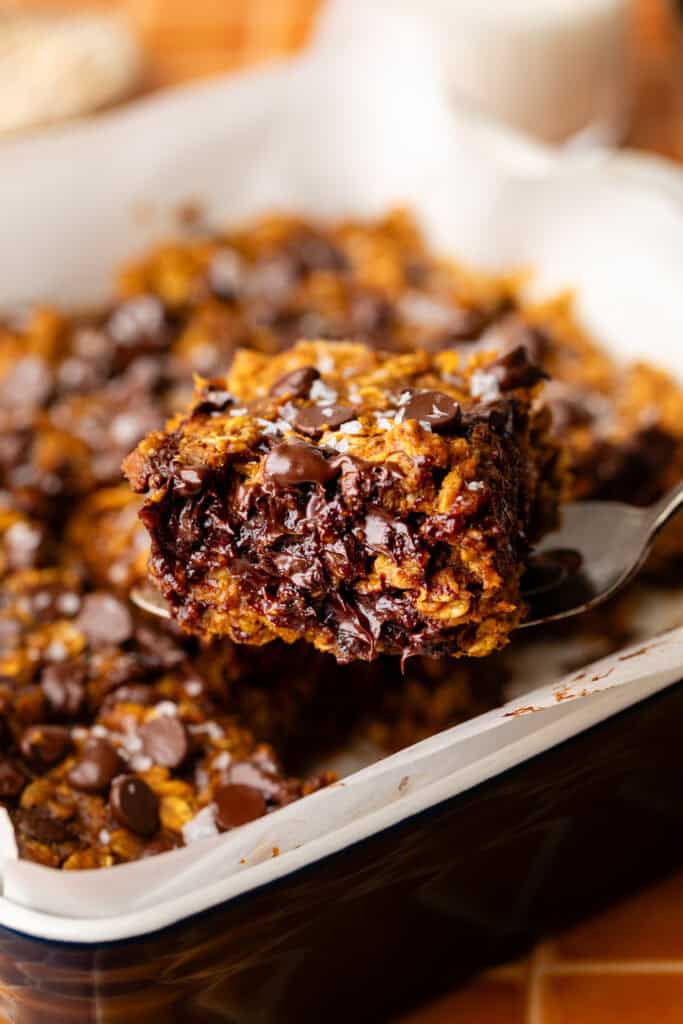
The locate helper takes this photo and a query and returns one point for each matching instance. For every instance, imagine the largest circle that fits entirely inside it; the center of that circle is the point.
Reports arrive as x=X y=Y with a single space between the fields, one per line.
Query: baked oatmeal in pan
x=123 y=736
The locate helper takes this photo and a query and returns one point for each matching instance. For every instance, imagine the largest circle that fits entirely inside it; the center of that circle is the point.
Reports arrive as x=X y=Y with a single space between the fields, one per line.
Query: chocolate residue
x=638 y=653
x=603 y=675
x=521 y=711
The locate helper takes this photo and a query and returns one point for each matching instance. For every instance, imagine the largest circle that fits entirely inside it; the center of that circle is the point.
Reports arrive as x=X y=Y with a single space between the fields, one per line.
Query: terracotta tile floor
x=624 y=966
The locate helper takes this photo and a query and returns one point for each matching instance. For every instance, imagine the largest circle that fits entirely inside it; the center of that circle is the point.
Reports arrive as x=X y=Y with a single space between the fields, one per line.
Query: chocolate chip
x=213 y=399
x=237 y=804
x=508 y=332
x=630 y=470
x=416 y=271
x=105 y=620
x=537 y=343
x=263 y=778
x=51 y=601
x=370 y=313
x=165 y=740
x=465 y=325
x=272 y=279
x=294 y=462
x=96 y=767
x=29 y=706
x=313 y=419
x=64 y=689
x=566 y=412
x=296 y=384
x=502 y=416
x=225 y=274
x=112 y=667
x=313 y=252
x=10 y=632
x=134 y=805
x=516 y=369
x=656 y=446
x=12 y=779
x=44 y=745
x=39 y=824
x=157 y=649
x=434 y=408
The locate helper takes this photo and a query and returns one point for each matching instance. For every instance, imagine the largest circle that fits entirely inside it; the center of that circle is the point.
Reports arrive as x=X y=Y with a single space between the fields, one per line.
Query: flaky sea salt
x=270 y=428
x=131 y=743
x=202 y=826
x=126 y=429
x=322 y=392
x=325 y=363
x=166 y=707
x=351 y=427
x=69 y=604
x=484 y=385
x=340 y=444
x=210 y=729
x=141 y=763
x=56 y=651
x=222 y=761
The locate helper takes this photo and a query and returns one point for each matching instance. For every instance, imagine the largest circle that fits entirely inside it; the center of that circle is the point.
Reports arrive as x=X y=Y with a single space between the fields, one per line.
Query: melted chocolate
x=516 y=368
x=96 y=767
x=295 y=462
x=296 y=384
x=312 y=420
x=434 y=408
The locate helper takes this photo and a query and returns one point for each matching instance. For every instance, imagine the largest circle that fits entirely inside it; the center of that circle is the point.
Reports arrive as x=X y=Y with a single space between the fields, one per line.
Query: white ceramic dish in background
x=339 y=132
x=555 y=69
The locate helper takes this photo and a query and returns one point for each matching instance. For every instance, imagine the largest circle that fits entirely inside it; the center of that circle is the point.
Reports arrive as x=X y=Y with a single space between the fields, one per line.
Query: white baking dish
x=348 y=132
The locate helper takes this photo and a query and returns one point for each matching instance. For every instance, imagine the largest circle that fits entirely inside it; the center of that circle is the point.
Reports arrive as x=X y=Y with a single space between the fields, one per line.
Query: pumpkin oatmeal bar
x=366 y=502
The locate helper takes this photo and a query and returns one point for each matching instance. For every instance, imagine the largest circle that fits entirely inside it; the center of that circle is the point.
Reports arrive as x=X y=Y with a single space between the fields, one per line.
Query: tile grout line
x=616 y=967
x=540 y=959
